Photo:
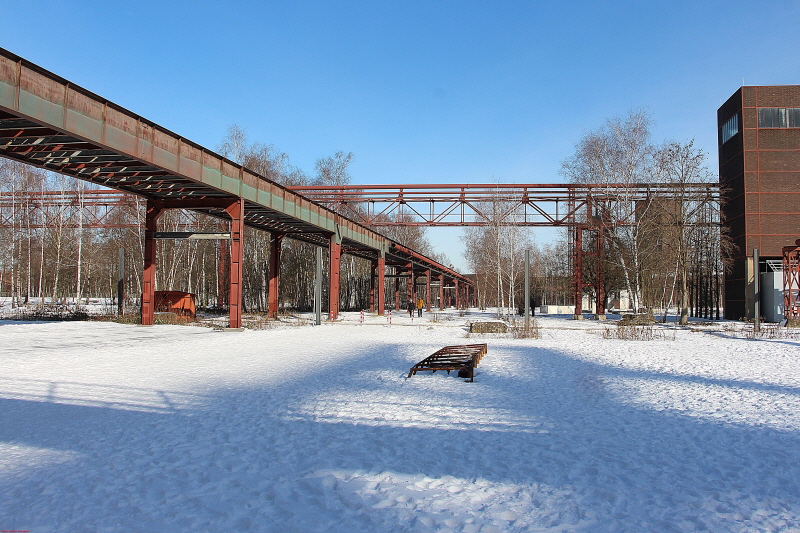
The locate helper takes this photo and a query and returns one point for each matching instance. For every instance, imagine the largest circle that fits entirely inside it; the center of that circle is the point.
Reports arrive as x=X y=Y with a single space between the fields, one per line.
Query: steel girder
x=49 y=122
x=542 y=205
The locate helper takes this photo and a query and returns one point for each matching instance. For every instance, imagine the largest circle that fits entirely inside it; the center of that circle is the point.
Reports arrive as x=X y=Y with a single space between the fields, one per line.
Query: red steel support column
x=458 y=295
x=441 y=292
x=600 y=284
x=381 y=283
x=274 y=274
x=410 y=286
x=791 y=281
x=428 y=290
x=154 y=210
x=396 y=292
x=373 y=270
x=578 y=270
x=223 y=273
x=333 y=288
x=236 y=212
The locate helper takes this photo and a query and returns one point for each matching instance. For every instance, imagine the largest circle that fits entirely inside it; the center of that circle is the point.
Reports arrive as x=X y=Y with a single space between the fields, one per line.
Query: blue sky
x=420 y=92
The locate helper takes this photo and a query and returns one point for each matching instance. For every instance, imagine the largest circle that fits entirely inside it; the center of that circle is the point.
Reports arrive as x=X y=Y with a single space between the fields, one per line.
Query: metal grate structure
x=462 y=358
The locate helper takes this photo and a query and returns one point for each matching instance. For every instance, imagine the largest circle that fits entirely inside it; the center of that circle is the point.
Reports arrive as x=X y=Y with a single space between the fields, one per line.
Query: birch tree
x=681 y=165
x=618 y=153
x=495 y=252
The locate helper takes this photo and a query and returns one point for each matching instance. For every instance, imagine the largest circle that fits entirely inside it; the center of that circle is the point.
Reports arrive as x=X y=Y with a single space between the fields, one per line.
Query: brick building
x=759 y=168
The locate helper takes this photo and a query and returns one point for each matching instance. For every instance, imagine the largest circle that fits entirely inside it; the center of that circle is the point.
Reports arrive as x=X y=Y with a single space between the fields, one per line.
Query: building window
x=730 y=128
x=779 y=117
x=793 y=115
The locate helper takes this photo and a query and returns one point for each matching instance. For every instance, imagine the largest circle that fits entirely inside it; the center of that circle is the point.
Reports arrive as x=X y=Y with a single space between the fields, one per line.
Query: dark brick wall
x=760 y=172
x=776 y=96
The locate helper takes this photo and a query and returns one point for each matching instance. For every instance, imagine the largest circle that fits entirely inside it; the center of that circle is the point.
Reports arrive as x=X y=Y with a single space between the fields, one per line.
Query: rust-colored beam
x=600 y=289
x=335 y=251
x=223 y=274
x=88 y=137
x=428 y=290
x=95 y=208
x=373 y=271
x=236 y=212
x=274 y=274
x=537 y=205
x=49 y=122
x=154 y=211
x=381 y=284
x=411 y=288
x=578 y=267
x=434 y=264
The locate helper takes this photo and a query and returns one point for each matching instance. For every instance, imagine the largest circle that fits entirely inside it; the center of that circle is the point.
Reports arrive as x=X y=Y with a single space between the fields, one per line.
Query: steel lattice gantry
x=476 y=204
x=579 y=207
x=49 y=122
x=97 y=208
x=791 y=281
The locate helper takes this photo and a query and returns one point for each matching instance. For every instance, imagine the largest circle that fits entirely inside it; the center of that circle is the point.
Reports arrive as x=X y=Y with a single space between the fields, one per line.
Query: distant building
x=759 y=170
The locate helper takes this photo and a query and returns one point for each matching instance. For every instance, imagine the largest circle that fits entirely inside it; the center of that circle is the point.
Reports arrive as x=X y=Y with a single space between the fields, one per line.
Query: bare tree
x=681 y=165
x=493 y=252
x=333 y=170
x=618 y=153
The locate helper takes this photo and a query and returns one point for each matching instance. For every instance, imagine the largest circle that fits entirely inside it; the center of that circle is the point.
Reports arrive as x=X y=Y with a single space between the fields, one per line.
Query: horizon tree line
x=673 y=256
x=49 y=254
x=662 y=252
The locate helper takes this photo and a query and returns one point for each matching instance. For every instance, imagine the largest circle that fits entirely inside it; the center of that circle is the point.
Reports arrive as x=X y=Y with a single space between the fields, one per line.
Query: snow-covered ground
x=117 y=428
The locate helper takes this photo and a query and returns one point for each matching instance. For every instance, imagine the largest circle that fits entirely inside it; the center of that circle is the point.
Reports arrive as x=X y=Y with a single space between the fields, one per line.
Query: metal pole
x=756 y=292
x=154 y=210
x=334 y=269
x=578 y=265
x=527 y=289
x=318 y=288
x=236 y=212
x=274 y=274
x=121 y=283
x=381 y=283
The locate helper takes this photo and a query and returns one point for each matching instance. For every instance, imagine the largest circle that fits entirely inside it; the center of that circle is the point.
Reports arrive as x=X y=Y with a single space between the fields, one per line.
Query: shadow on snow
x=256 y=458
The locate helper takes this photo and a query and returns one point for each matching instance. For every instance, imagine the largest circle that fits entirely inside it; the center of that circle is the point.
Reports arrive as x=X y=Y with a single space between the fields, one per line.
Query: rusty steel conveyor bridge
x=49 y=122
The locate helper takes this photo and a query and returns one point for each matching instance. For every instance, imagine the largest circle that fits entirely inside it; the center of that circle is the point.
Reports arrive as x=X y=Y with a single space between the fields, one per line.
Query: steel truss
x=791 y=281
x=582 y=208
x=585 y=208
x=97 y=208
x=51 y=123
x=542 y=205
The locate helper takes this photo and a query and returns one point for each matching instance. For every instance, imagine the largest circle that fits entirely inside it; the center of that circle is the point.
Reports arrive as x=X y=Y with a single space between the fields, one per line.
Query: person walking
x=410 y=308
x=420 y=305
